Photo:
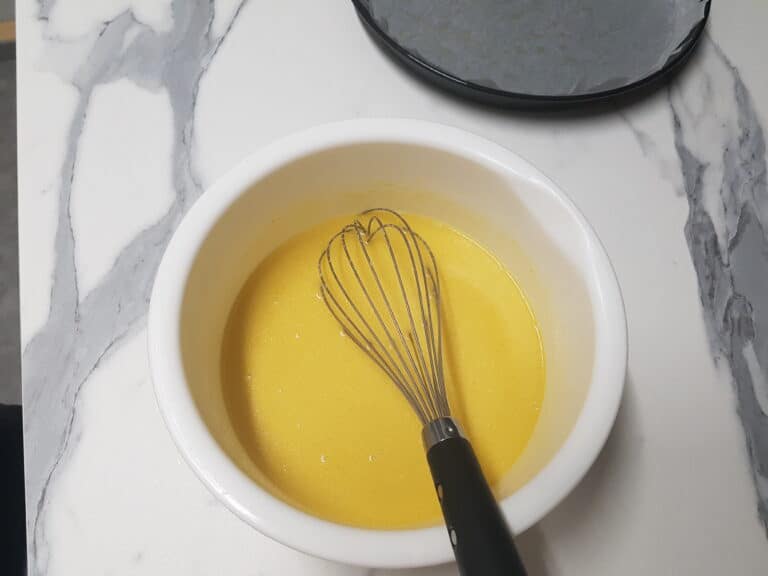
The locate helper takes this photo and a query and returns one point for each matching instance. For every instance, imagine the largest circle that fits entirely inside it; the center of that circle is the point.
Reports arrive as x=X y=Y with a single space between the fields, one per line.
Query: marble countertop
x=129 y=109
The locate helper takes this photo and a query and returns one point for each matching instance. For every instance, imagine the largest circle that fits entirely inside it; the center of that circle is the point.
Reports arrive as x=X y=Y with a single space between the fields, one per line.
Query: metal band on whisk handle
x=379 y=279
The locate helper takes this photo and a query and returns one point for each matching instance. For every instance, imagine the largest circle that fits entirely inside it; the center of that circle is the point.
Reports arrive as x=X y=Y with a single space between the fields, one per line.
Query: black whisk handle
x=481 y=539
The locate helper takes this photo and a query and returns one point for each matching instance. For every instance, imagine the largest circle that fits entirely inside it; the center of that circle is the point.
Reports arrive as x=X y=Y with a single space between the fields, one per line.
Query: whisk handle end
x=481 y=539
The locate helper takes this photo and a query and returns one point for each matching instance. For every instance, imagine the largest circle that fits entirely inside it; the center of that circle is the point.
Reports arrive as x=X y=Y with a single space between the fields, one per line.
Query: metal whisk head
x=379 y=279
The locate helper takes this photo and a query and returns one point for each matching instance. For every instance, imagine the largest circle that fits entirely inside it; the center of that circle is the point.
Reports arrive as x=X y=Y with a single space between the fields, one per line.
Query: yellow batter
x=332 y=435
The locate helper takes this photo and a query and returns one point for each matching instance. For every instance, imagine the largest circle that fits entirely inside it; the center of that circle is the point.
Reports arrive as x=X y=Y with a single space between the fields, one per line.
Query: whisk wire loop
x=380 y=281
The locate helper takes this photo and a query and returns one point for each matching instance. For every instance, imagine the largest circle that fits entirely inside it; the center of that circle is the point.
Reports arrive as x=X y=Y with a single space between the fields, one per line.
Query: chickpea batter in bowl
x=323 y=424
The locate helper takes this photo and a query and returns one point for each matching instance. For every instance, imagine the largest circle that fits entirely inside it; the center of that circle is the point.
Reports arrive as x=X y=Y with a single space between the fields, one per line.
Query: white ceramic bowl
x=477 y=186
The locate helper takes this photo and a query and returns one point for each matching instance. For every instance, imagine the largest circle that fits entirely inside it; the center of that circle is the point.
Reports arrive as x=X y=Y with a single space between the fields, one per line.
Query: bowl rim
x=290 y=526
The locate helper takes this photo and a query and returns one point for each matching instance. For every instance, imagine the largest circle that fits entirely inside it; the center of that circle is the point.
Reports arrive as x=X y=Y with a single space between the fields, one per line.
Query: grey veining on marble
x=78 y=334
x=727 y=235
x=10 y=377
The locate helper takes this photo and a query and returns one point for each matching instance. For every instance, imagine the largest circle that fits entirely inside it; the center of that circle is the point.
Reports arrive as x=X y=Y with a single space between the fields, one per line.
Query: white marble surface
x=129 y=109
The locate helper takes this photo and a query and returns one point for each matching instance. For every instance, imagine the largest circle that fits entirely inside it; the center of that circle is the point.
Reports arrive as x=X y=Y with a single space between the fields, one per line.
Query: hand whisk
x=379 y=279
